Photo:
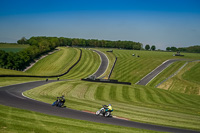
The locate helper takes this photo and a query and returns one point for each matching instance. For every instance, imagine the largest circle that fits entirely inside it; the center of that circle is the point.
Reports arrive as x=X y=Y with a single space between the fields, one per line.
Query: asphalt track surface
x=155 y=72
x=13 y=96
x=104 y=64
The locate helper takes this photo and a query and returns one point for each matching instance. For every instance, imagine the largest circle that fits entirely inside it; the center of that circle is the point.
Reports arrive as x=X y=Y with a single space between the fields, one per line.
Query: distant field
x=138 y=103
x=12 y=47
x=186 y=81
x=18 y=120
x=131 y=68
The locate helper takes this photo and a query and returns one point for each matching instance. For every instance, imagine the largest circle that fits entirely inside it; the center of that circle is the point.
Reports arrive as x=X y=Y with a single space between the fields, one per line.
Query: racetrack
x=155 y=72
x=12 y=96
x=104 y=64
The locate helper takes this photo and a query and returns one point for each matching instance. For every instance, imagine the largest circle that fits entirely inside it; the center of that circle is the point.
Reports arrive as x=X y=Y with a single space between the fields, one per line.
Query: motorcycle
x=101 y=112
x=58 y=103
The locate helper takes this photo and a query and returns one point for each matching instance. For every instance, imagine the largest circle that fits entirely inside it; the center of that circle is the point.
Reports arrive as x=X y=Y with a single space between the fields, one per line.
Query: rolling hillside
x=138 y=103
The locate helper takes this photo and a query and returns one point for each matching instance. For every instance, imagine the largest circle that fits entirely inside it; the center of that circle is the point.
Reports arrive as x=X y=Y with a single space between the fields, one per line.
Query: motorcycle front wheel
x=98 y=112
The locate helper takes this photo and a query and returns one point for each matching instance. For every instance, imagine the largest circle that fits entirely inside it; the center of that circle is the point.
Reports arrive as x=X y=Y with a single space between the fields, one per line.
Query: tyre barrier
x=106 y=81
x=112 y=68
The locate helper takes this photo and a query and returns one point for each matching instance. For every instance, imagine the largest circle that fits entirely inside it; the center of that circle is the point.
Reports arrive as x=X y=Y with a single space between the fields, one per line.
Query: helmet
x=109 y=104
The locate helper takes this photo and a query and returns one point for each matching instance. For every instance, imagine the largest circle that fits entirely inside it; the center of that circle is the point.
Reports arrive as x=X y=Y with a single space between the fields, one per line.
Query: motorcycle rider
x=60 y=101
x=108 y=108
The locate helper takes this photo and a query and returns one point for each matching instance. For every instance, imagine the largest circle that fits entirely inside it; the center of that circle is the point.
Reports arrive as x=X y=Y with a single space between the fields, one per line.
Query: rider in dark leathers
x=59 y=102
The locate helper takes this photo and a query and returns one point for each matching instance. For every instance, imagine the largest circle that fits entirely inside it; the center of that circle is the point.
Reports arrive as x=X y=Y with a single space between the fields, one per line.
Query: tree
x=168 y=48
x=147 y=47
x=174 y=49
x=153 y=47
x=23 y=40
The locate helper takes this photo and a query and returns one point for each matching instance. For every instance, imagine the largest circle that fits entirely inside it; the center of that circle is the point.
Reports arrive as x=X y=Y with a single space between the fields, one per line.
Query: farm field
x=131 y=68
x=18 y=120
x=11 y=47
x=138 y=103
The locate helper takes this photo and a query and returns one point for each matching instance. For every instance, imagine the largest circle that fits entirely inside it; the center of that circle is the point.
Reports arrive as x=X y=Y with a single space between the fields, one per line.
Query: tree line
x=42 y=45
x=191 y=49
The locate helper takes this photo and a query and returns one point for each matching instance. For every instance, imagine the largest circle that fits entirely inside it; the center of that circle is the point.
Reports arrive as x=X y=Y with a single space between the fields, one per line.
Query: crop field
x=18 y=120
x=186 y=81
x=138 y=103
x=132 y=68
x=12 y=47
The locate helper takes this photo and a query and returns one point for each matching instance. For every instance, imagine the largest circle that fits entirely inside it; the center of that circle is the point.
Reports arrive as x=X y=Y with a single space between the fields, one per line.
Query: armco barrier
x=46 y=76
x=112 y=68
x=107 y=81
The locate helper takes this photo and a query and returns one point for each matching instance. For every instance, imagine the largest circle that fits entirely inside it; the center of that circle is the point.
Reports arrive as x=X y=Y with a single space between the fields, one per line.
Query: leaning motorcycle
x=101 y=112
x=58 y=103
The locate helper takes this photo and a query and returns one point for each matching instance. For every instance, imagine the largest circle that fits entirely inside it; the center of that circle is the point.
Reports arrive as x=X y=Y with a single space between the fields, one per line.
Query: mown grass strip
x=132 y=68
x=18 y=120
x=184 y=85
x=88 y=65
x=57 y=63
x=135 y=102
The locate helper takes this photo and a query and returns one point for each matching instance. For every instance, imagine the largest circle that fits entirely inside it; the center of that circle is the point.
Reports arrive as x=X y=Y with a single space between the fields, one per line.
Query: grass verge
x=23 y=121
x=138 y=103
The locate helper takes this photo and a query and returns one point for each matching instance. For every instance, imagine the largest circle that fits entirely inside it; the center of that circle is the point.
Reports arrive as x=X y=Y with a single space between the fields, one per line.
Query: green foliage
x=153 y=47
x=23 y=40
x=147 y=47
x=191 y=49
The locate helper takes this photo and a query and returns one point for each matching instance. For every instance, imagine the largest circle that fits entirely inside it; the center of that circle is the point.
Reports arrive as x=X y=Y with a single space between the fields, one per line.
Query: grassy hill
x=132 y=68
x=138 y=103
x=56 y=63
x=186 y=81
x=88 y=65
